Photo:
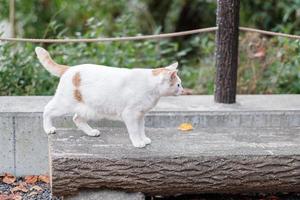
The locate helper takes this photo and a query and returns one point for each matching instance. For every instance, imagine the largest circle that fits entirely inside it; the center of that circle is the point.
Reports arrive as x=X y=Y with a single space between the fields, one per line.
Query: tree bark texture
x=178 y=175
x=227 y=51
x=201 y=161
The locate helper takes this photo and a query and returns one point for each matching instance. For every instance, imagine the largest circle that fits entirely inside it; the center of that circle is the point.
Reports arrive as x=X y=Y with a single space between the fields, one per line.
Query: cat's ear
x=169 y=75
x=173 y=75
x=172 y=67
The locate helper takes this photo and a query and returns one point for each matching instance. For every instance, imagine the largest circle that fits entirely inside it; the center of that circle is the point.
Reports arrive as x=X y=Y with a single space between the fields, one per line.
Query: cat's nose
x=182 y=91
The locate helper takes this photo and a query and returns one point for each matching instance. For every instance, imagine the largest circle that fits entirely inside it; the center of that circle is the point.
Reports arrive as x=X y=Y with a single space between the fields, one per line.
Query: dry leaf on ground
x=17 y=197
x=185 y=127
x=44 y=178
x=8 y=178
x=31 y=179
x=32 y=194
x=20 y=187
x=3 y=197
x=11 y=197
x=37 y=188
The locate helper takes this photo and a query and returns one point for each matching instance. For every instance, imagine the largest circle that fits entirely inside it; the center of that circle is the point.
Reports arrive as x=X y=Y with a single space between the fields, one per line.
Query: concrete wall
x=24 y=146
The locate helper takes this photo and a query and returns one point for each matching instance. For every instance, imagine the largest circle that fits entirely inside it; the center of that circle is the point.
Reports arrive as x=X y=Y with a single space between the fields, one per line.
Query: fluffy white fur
x=108 y=92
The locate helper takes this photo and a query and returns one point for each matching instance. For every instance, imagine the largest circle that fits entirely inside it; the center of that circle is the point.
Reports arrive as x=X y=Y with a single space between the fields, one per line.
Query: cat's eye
x=178 y=85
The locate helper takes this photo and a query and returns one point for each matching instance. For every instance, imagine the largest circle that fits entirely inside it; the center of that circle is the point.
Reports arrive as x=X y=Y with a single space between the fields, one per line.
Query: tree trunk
x=227 y=50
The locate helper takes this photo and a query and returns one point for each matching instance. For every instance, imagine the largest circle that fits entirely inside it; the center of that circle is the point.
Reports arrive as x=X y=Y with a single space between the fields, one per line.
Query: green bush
x=22 y=74
x=266 y=65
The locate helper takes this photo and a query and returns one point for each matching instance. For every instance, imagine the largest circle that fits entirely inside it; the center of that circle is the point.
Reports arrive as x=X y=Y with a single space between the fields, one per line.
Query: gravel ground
x=36 y=191
x=21 y=189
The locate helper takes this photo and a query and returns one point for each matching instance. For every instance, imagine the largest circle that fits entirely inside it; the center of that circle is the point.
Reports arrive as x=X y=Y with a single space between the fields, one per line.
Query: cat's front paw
x=139 y=144
x=147 y=140
x=94 y=133
x=50 y=130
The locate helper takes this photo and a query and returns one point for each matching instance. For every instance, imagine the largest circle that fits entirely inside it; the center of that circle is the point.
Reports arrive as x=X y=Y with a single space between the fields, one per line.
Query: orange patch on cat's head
x=172 y=73
x=158 y=71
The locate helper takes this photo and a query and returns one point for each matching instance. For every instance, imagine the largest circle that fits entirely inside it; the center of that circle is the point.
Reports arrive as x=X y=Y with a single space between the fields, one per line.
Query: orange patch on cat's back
x=158 y=71
x=77 y=95
x=76 y=80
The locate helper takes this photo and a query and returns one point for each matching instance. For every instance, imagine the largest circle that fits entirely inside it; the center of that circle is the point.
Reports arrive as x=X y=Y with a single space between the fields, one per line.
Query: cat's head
x=170 y=83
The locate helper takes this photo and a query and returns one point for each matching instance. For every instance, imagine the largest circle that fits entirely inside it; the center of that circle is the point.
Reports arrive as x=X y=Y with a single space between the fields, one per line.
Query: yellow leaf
x=185 y=127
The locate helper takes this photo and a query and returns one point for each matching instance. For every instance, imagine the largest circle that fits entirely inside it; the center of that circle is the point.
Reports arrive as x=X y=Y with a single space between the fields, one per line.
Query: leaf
x=17 y=197
x=20 y=187
x=32 y=194
x=44 y=178
x=8 y=178
x=185 y=127
x=11 y=197
x=37 y=188
x=260 y=53
x=31 y=179
x=4 y=197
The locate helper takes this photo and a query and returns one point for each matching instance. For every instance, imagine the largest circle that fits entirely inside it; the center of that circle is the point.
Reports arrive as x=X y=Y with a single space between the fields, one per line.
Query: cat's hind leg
x=52 y=109
x=82 y=124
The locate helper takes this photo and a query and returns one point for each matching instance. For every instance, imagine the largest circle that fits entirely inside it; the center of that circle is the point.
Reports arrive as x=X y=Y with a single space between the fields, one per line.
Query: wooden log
x=200 y=161
x=227 y=37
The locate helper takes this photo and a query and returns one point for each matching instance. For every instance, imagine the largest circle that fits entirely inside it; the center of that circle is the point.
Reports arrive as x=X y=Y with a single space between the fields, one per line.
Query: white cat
x=94 y=91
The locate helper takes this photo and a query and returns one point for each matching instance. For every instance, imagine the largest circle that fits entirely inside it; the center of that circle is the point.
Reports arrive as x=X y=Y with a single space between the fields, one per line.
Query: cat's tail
x=49 y=64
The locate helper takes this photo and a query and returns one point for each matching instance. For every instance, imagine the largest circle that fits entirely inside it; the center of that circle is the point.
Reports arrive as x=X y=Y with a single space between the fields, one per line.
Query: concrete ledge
x=23 y=144
x=250 y=111
x=201 y=103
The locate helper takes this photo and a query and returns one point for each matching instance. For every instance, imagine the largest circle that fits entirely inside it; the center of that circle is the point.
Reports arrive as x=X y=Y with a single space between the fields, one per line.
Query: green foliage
x=20 y=74
x=266 y=65
x=271 y=15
